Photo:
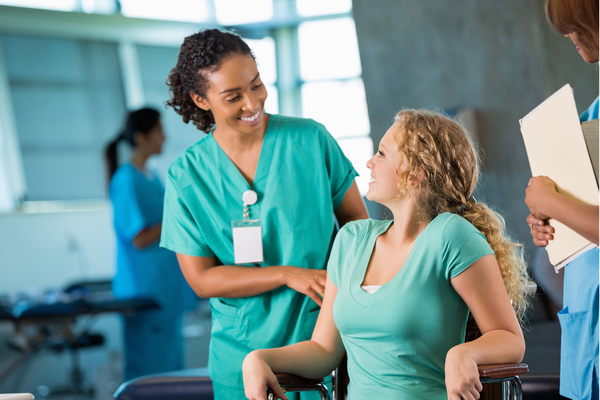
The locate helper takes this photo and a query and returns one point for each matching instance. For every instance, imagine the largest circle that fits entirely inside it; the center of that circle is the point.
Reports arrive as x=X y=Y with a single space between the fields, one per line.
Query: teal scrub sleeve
x=340 y=169
x=463 y=244
x=127 y=202
x=180 y=232
x=333 y=264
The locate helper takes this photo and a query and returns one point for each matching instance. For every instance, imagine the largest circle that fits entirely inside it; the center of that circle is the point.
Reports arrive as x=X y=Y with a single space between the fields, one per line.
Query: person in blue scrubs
x=152 y=339
x=301 y=183
x=577 y=20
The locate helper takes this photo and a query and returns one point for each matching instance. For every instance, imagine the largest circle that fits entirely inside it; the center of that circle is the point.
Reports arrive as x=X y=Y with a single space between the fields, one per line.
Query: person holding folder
x=577 y=20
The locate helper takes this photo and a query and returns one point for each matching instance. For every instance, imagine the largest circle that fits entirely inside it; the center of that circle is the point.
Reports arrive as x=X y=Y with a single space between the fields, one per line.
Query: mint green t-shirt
x=397 y=338
x=301 y=179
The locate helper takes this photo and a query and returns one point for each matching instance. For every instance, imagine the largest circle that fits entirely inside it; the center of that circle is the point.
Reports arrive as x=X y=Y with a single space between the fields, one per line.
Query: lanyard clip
x=249 y=197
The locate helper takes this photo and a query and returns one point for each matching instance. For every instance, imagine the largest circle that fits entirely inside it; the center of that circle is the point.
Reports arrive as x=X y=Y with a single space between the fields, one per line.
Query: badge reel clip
x=247 y=234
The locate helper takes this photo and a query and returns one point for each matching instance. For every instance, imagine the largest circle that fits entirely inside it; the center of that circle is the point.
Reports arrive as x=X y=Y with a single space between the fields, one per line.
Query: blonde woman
x=398 y=292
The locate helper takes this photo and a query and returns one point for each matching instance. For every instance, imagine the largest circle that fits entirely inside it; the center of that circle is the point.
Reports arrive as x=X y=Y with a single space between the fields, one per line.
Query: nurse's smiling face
x=235 y=96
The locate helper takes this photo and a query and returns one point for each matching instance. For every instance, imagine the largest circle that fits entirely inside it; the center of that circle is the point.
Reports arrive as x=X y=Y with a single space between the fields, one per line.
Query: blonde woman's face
x=585 y=53
x=383 y=186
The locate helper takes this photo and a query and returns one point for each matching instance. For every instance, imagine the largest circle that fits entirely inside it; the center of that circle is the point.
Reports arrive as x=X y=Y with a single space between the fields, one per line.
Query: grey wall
x=500 y=57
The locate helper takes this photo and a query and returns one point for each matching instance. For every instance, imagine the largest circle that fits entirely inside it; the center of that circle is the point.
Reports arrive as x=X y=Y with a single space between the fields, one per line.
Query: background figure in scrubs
x=152 y=339
x=302 y=180
x=577 y=20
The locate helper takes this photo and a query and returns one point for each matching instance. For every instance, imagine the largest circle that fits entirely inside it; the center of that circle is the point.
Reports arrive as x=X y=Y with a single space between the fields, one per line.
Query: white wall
x=50 y=250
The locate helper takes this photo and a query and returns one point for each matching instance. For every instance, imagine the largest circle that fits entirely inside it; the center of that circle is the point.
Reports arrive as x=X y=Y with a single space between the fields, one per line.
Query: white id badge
x=247 y=241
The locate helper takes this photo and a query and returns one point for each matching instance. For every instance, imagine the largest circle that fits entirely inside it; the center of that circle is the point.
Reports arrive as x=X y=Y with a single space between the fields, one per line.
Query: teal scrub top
x=397 y=338
x=301 y=179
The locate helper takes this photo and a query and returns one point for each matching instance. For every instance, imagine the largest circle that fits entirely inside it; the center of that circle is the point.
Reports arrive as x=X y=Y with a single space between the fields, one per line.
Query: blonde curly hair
x=440 y=151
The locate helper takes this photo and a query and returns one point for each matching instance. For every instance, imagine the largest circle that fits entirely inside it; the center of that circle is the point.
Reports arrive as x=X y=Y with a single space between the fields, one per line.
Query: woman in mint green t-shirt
x=399 y=292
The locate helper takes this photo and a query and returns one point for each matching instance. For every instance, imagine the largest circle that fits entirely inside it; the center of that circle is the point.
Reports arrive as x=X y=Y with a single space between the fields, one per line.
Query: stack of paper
x=557 y=149
x=590 y=134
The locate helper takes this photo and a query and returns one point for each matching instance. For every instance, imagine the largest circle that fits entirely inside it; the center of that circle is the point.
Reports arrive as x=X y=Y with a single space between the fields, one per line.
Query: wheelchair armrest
x=499 y=371
x=295 y=382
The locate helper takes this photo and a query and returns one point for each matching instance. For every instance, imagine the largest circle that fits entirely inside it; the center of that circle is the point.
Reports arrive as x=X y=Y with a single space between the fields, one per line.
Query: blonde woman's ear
x=414 y=181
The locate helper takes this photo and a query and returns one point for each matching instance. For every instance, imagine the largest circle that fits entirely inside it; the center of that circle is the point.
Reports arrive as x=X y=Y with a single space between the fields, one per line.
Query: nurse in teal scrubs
x=579 y=318
x=302 y=181
x=152 y=339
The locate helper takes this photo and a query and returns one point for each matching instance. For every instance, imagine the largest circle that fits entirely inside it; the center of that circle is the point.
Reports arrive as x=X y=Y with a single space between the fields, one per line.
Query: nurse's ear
x=201 y=102
x=139 y=138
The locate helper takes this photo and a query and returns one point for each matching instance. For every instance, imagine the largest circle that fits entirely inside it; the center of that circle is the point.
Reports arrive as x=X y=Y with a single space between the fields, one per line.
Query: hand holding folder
x=556 y=148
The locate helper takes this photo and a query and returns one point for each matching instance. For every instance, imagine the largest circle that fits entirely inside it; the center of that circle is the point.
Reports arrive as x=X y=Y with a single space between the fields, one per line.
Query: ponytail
x=509 y=254
x=440 y=149
x=111 y=157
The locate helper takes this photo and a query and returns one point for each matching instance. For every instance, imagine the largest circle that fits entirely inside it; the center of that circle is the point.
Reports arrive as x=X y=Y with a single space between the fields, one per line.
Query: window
x=67 y=101
x=332 y=91
x=238 y=12
x=61 y=5
x=309 y=8
x=69 y=94
x=176 y=10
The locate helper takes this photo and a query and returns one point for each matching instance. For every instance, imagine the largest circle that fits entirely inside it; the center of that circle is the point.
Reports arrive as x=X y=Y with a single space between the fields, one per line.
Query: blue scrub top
x=137 y=198
x=579 y=318
x=301 y=179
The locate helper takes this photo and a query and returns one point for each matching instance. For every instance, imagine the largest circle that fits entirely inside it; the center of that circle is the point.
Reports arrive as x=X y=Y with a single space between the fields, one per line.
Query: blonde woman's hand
x=310 y=282
x=258 y=376
x=462 y=376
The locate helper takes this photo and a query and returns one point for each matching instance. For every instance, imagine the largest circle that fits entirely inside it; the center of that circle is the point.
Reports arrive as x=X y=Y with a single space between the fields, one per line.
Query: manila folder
x=556 y=148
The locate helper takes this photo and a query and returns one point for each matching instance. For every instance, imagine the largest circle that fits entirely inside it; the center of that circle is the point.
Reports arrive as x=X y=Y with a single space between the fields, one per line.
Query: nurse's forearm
x=147 y=237
x=352 y=208
x=582 y=218
x=235 y=281
x=209 y=280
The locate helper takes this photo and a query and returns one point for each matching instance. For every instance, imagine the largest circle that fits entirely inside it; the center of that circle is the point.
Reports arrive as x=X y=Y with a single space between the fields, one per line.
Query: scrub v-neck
x=362 y=262
x=231 y=172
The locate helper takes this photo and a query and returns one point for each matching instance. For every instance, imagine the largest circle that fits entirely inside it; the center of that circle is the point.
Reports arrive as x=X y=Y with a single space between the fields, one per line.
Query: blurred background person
x=152 y=339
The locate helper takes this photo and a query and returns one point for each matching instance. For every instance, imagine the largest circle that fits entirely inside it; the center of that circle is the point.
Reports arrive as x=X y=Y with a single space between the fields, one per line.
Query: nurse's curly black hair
x=200 y=55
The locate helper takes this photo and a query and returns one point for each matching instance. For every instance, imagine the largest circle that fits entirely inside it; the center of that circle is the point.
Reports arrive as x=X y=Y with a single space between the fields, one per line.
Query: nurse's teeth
x=251 y=118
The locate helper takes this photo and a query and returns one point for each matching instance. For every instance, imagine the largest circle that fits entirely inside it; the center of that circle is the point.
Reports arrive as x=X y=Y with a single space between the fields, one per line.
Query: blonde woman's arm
x=482 y=289
x=313 y=358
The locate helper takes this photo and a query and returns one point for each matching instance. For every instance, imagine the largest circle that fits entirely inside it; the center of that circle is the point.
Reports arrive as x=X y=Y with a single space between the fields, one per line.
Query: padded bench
x=189 y=384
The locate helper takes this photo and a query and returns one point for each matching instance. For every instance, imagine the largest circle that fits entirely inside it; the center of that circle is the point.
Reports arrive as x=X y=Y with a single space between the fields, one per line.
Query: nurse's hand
x=258 y=376
x=540 y=190
x=310 y=282
x=541 y=232
x=462 y=376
